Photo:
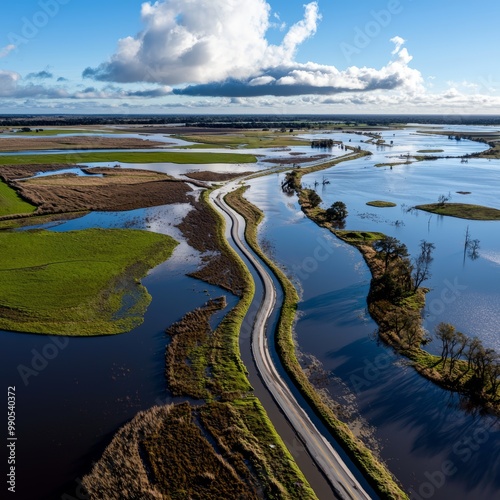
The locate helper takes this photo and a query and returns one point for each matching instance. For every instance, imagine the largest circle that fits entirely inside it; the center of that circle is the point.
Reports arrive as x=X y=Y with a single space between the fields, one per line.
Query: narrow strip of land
x=326 y=458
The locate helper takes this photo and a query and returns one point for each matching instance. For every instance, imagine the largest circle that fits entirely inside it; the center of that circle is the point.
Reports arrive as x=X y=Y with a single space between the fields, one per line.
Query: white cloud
x=398 y=42
x=5 y=51
x=202 y=42
x=199 y=42
x=219 y=48
x=12 y=86
x=8 y=81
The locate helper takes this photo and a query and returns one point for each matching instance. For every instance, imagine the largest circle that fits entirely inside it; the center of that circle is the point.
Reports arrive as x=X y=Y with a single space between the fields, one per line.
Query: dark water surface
x=430 y=442
x=74 y=393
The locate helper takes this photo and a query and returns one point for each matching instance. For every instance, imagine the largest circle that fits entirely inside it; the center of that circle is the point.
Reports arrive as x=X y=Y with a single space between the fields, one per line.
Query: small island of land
x=381 y=204
x=430 y=151
x=462 y=211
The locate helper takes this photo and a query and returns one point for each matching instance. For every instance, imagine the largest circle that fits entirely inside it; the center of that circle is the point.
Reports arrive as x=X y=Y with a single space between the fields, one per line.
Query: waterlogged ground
x=426 y=437
x=73 y=394
x=82 y=390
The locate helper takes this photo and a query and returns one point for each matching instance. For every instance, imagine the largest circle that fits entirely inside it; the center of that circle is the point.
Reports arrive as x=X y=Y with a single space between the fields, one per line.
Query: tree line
x=468 y=364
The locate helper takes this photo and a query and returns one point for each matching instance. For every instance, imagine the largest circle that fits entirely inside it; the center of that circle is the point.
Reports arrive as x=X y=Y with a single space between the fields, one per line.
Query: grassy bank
x=128 y=157
x=354 y=155
x=11 y=203
x=462 y=211
x=24 y=220
x=219 y=265
x=376 y=473
x=49 y=132
x=77 y=282
x=400 y=326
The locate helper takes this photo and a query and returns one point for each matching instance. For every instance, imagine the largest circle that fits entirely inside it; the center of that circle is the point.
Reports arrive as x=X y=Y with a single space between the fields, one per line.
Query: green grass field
x=462 y=211
x=11 y=203
x=250 y=139
x=127 y=157
x=78 y=282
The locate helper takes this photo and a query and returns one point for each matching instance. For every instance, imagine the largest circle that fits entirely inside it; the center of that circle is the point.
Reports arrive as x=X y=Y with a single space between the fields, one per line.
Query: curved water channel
x=69 y=410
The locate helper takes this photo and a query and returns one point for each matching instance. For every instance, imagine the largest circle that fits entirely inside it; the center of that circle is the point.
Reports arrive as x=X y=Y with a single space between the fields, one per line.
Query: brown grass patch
x=188 y=354
x=53 y=198
x=10 y=173
x=76 y=142
x=219 y=267
x=217 y=450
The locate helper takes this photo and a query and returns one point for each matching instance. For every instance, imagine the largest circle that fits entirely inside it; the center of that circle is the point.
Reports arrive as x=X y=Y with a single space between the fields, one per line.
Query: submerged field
x=79 y=282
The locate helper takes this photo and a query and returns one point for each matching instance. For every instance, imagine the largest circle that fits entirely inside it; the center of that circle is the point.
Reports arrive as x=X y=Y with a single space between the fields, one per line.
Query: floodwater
x=430 y=442
x=74 y=393
x=79 y=391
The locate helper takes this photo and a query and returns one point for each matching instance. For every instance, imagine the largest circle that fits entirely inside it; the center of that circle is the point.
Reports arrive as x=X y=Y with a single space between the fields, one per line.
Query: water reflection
x=418 y=426
x=73 y=403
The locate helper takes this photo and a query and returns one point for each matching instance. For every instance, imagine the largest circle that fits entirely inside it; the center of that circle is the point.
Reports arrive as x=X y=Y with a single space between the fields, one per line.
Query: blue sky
x=275 y=56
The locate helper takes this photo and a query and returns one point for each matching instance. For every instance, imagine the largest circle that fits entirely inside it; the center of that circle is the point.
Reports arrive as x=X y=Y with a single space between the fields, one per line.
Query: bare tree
x=457 y=348
x=443 y=198
x=421 y=265
x=445 y=332
x=474 y=345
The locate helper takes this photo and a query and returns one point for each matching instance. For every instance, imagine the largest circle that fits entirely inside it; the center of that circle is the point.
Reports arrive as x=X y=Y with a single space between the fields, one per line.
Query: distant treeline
x=247 y=121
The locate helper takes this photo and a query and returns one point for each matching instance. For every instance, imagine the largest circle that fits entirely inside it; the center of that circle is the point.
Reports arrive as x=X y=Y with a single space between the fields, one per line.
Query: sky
x=250 y=56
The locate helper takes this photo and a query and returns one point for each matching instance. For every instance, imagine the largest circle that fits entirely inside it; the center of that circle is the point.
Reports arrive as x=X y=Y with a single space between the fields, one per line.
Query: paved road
x=326 y=458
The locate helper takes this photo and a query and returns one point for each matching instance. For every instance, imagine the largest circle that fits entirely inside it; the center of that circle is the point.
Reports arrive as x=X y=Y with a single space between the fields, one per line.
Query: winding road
x=321 y=451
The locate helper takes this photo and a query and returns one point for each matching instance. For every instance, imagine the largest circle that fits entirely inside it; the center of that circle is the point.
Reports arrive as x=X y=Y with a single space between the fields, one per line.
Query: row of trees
x=467 y=359
x=336 y=214
x=322 y=143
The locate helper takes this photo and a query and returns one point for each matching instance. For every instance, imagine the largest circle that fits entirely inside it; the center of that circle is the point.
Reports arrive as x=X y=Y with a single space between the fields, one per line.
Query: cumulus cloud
x=202 y=42
x=5 y=51
x=290 y=79
x=219 y=48
x=8 y=82
x=40 y=75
